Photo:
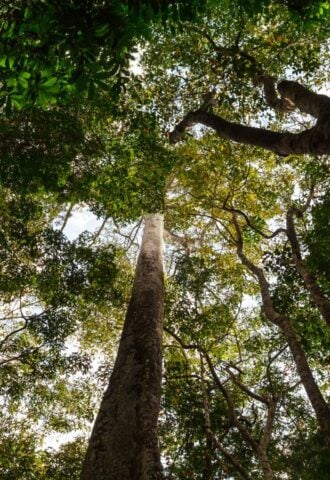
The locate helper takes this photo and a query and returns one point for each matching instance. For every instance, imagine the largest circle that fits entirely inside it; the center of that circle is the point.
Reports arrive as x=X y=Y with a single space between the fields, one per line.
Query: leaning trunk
x=320 y=300
x=123 y=444
x=264 y=463
x=314 y=394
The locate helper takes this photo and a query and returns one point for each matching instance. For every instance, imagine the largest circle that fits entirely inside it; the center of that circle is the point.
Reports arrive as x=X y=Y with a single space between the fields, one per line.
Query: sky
x=81 y=219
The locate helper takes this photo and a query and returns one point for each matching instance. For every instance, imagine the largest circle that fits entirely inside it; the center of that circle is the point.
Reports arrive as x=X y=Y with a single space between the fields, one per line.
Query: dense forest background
x=212 y=116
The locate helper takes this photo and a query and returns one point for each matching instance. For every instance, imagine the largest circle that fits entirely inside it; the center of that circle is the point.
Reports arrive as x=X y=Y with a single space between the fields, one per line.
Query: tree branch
x=7 y=337
x=66 y=217
x=269 y=364
x=99 y=231
x=246 y=389
x=278 y=103
x=306 y=101
x=271 y=313
x=210 y=433
x=267 y=432
x=257 y=230
x=314 y=141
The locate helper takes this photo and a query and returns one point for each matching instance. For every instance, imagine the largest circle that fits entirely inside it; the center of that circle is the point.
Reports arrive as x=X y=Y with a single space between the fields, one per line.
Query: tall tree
x=129 y=178
x=124 y=441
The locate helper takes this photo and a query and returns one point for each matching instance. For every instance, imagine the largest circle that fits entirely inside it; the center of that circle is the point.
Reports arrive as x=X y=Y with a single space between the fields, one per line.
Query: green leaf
x=11 y=82
x=43 y=99
x=23 y=82
x=17 y=101
x=101 y=30
x=49 y=83
x=24 y=75
x=27 y=13
x=11 y=61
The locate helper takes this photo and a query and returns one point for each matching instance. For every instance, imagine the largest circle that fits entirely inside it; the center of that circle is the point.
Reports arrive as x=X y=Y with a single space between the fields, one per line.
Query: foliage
x=63 y=301
x=318 y=240
x=53 y=50
x=21 y=460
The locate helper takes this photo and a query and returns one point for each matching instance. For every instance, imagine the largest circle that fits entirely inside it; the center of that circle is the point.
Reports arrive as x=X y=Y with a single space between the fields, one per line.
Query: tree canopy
x=224 y=130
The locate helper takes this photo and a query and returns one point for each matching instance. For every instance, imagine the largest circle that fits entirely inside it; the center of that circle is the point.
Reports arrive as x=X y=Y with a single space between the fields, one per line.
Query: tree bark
x=124 y=442
x=314 y=394
x=306 y=101
x=315 y=140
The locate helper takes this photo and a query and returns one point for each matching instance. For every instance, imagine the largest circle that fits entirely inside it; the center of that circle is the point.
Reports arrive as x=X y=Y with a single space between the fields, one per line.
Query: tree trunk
x=320 y=300
x=264 y=463
x=314 y=394
x=124 y=442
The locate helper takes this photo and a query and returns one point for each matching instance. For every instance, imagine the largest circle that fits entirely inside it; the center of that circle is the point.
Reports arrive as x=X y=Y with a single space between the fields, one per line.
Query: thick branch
x=315 y=140
x=278 y=103
x=305 y=100
x=293 y=95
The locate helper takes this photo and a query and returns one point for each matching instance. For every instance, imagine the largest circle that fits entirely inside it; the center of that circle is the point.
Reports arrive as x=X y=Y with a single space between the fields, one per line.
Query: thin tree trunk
x=124 y=442
x=320 y=300
x=314 y=394
x=214 y=442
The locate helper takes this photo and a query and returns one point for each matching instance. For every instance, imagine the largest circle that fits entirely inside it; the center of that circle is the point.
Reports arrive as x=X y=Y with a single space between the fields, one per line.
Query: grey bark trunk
x=124 y=442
